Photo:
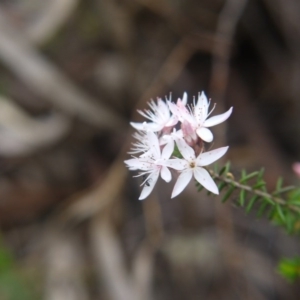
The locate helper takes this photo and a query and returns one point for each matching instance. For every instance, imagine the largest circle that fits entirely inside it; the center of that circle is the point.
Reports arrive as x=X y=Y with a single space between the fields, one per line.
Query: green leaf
x=294 y=202
x=272 y=213
x=289 y=223
x=280 y=212
x=225 y=169
x=283 y=190
x=200 y=187
x=216 y=168
x=249 y=176
x=176 y=152
x=295 y=194
x=279 y=183
x=259 y=184
x=251 y=203
x=222 y=185
x=242 y=197
x=262 y=209
x=270 y=201
x=228 y=193
x=260 y=174
x=289 y=268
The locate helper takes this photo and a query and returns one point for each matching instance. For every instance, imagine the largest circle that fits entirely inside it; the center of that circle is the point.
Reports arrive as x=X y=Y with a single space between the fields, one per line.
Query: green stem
x=260 y=193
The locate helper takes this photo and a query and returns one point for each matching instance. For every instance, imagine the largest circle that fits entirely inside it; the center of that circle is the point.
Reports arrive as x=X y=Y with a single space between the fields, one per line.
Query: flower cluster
x=175 y=138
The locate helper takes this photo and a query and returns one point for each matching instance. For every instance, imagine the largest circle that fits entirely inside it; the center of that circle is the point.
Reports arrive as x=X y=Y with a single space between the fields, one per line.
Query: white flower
x=201 y=114
x=191 y=166
x=152 y=163
x=198 y=117
x=159 y=115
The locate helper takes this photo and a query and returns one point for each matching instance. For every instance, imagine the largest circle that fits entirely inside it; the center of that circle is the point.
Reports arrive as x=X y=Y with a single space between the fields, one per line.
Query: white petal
x=138 y=126
x=168 y=150
x=215 y=120
x=154 y=144
x=172 y=121
x=205 y=134
x=149 y=185
x=184 y=99
x=182 y=181
x=138 y=164
x=165 y=174
x=203 y=177
x=209 y=157
x=201 y=108
x=186 y=151
x=177 y=134
x=146 y=126
x=163 y=108
x=177 y=164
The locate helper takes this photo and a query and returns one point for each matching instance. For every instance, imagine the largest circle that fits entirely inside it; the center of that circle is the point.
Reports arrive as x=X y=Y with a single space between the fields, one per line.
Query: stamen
x=211 y=109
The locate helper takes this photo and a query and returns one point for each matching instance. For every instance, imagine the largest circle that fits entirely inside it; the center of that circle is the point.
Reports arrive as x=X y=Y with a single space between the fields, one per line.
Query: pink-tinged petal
x=206 y=158
x=177 y=164
x=296 y=168
x=172 y=121
x=203 y=177
x=165 y=174
x=187 y=129
x=179 y=111
x=149 y=185
x=175 y=110
x=182 y=181
x=153 y=144
x=168 y=150
x=186 y=151
x=205 y=134
x=215 y=120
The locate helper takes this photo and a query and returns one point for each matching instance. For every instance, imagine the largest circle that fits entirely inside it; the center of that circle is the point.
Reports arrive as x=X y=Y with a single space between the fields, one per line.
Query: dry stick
x=257 y=135
x=51 y=17
x=19 y=56
x=286 y=14
x=153 y=220
x=226 y=25
x=19 y=128
x=64 y=264
x=227 y=22
x=110 y=261
x=176 y=20
x=91 y=202
x=91 y=205
x=171 y=68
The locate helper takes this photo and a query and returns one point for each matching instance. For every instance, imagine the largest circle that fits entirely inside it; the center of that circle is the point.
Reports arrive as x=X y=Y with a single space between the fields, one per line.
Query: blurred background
x=72 y=74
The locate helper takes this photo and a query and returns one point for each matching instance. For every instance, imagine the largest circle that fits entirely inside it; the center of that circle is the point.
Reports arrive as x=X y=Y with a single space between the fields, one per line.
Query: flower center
x=192 y=164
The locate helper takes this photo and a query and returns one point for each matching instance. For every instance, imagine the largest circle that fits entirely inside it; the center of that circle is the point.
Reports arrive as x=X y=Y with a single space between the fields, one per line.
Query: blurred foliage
x=282 y=211
x=281 y=206
x=14 y=284
x=290 y=268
